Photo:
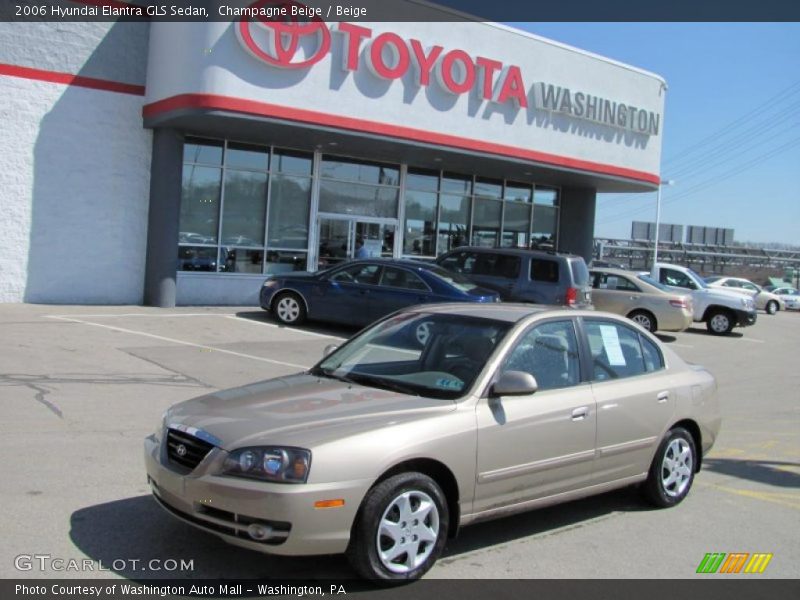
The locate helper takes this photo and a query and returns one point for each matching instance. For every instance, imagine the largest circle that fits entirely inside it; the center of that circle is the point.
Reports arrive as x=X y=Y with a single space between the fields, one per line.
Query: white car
x=769 y=302
x=790 y=297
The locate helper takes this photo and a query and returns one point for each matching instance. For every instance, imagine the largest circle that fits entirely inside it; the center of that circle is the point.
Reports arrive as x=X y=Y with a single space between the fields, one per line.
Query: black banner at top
x=400 y=10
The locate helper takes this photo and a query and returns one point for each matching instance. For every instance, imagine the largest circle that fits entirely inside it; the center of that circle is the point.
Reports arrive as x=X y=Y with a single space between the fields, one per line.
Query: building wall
x=74 y=162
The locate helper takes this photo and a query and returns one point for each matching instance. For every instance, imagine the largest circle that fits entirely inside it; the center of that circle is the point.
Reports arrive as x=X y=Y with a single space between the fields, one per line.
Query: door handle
x=579 y=414
x=662 y=396
x=634 y=297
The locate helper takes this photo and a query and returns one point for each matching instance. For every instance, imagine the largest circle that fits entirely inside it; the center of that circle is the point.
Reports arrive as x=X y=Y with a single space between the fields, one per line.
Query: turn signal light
x=335 y=503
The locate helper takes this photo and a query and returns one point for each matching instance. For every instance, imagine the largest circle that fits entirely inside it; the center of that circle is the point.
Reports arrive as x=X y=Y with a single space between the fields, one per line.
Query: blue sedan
x=362 y=291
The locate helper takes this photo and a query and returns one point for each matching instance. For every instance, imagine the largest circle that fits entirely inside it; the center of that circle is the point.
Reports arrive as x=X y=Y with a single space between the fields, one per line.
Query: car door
x=540 y=444
x=344 y=295
x=634 y=394
x=614 y=294
x=396 y=289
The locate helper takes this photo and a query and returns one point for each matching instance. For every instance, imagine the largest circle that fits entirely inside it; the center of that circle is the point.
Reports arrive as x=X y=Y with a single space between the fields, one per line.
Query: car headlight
x=748 y=303
x=269 y=463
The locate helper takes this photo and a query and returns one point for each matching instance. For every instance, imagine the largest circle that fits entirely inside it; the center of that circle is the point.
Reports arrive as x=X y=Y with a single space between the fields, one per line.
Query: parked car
x=764 y=300
x=721 y=310
x=790 y=297
x=521 y=275
x=642 y=299
x=383 y=451
x=359 y=292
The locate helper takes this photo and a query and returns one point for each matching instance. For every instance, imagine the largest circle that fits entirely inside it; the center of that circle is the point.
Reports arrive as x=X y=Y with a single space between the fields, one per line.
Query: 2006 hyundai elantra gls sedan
x=395 y=440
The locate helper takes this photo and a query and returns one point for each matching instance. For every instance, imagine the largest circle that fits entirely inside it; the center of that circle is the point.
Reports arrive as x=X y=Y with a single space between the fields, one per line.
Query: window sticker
x=449 y=384
x=612 y=346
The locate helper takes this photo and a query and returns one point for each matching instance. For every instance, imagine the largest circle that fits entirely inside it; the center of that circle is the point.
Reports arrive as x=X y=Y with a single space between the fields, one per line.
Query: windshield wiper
x=391 y=384
x=332 y=374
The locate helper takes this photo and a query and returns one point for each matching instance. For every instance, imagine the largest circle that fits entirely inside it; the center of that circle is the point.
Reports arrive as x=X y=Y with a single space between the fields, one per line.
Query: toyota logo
x=180 y=450
x=276 y=40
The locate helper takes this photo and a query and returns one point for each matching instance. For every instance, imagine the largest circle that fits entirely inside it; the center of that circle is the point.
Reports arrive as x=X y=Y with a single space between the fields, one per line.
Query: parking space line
x=274 y=326
x=181 y=342
x=151 y=315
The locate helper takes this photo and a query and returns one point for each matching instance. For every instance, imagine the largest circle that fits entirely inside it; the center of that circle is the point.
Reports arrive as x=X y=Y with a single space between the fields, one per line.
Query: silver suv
x=520 y=275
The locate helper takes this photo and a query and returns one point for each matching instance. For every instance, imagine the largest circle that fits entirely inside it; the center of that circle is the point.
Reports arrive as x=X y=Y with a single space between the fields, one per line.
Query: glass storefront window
x=207 y=152
x=456 y=184
x=543 y=235
x=545 y=196
x=422 y=180
x=292 y=163
x=453 y=222
x=197 y=258
x=518 y=192
x=199 y=218
x=282 y=261
x=486 y=222
x=516 y=225
x=357 y=199
x=420 y=224
x=356 y=170
x=241 y=260
x=246 y=156
x=290 y=199
x=244 y=208
x=488 y=188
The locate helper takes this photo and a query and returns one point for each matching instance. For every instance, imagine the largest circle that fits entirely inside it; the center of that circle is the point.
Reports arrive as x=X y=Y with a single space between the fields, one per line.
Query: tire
x=289 y=308
x=381 y=549
x=772 y=307
x=672 y=471
x=645 y=319
x=720 y=322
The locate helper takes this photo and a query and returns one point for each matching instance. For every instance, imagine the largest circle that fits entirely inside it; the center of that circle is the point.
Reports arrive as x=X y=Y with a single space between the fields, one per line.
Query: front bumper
x=745 y=318
x=226 y=506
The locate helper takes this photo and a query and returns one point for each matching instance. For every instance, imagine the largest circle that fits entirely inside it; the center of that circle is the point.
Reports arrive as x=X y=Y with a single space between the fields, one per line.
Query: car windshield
x=654 y=283
x=713 y=279
x=424 y=354
x=457 y=280
x=698 y=280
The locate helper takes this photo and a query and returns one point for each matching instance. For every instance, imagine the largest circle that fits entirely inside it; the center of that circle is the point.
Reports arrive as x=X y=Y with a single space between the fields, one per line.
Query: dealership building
x=162 y=163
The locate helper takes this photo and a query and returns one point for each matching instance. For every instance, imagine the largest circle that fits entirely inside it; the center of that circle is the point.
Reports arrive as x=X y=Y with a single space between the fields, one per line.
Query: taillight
x=572 y=296
x=679 y=303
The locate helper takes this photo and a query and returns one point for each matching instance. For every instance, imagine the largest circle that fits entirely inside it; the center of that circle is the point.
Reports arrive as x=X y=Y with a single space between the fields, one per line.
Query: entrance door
x=345 y=239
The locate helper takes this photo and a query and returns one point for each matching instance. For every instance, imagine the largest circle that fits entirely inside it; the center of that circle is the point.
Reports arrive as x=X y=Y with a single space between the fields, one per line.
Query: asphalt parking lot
x=81 y=386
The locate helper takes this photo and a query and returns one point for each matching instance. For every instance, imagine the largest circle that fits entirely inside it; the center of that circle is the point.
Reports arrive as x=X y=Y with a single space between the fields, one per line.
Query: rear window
x=580 y=272
x=547 y=270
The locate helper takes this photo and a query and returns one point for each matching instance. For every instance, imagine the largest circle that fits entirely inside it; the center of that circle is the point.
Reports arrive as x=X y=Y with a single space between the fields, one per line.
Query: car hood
x=720 y=293
x=299 y=410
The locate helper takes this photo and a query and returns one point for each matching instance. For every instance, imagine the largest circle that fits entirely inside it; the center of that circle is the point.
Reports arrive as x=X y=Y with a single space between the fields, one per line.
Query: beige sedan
x=643 y=300
x=394 y=441
x=769 y=302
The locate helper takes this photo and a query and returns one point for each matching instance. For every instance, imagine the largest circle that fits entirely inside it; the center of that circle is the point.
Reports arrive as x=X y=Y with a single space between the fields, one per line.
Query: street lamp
x=661 y=182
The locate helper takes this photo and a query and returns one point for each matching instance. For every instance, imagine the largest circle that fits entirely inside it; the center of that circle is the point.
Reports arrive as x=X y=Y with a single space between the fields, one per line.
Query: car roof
x=614 y=271
x=393 y=262
x=510 y=312
x=514 y=251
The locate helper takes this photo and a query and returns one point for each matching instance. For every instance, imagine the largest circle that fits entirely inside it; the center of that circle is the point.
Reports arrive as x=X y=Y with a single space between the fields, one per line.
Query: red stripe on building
x=251 y=107
x=70 y=79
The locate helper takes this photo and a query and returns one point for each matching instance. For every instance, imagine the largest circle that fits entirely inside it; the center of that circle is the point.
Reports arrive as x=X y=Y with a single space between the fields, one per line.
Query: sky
x=731 y=126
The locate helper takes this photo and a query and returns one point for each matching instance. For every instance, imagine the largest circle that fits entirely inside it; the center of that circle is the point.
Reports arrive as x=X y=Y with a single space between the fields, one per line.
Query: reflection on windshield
x=426 y=354
x=698 y=279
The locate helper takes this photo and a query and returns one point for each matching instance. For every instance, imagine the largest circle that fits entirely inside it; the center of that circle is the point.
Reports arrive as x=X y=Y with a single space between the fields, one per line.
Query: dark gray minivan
x=521 y=275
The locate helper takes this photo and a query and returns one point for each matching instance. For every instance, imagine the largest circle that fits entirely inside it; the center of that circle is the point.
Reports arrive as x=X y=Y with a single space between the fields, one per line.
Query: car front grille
x=186 y=450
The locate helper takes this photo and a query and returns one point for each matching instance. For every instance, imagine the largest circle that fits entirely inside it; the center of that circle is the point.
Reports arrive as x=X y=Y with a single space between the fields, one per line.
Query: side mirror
x=514 y=383
x=329 y=349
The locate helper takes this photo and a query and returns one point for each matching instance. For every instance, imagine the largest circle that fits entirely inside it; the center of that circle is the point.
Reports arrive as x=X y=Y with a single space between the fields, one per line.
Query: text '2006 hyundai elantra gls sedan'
x=395 y=440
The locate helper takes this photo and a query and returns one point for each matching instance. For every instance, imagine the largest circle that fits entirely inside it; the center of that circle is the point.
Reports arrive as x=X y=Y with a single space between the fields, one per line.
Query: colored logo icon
x=735 y=562
x=277 y=34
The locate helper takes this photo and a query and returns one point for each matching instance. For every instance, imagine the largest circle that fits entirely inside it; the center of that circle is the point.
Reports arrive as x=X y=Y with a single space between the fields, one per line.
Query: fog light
x=259 y=532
